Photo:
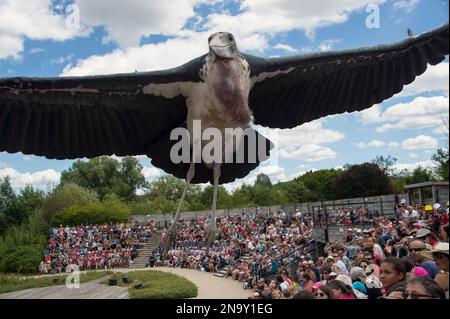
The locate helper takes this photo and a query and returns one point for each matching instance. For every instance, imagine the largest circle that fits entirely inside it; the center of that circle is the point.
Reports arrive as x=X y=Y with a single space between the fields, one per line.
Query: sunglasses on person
x=416 y=249
x=439 y=256
x=320 y=294
x=407 y=295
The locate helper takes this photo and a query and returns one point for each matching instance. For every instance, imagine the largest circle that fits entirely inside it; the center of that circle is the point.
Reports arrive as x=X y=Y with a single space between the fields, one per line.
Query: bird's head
x=222 y=45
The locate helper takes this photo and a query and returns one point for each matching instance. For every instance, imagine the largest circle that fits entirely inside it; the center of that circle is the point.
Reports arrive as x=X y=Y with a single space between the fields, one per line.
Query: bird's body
x=219 y=101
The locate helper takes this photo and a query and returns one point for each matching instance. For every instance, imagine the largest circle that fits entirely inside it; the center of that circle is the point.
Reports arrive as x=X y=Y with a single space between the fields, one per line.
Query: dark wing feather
x=317 y=85
x=75 y=117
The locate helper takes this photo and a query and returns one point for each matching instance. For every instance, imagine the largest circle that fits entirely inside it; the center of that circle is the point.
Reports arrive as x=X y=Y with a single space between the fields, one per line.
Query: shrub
x=109 y=211
x=21 y=259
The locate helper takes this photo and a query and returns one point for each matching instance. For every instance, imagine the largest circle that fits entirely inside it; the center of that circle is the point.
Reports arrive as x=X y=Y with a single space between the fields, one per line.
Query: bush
x=157 y=285
x=65 y=196
x=21 y=259
x=22 y=246
x=109 y=211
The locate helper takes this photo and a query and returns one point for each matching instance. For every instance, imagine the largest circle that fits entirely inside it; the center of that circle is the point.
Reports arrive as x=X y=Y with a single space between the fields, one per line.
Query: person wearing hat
x=440 y=256
x=417 y=246
x=428 y=237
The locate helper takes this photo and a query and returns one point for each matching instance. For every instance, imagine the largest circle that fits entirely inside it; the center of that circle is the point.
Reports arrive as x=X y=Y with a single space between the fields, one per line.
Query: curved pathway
x=88 y=290
x=209 y=287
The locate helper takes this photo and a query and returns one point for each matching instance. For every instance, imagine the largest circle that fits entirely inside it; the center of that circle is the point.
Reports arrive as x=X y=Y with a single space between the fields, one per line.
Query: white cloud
x=151 y=172
x=168 y=54
x=272 y=16
x=413 y=155
x=62 y=59
x=10 y=46
x=126 y=23
x=327 y=45
x=406 y=5
x=420 y=142
x=20 y=19
x=248 y=180
x=411 y=166
x=36 y=50
x=371 y=115
x=309 y=133
x=374 y=143
x=394 y=145
x=28 y=157
x=253 y=27
x=39 y=179
x=304 y=142
x=309 y=153
x=271 y=170
x=285 y=47
x=434 y=80
x=422 y=112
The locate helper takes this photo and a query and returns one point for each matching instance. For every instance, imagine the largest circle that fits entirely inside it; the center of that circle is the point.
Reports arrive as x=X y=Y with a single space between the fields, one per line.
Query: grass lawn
x=10 y=283
x=156 y=285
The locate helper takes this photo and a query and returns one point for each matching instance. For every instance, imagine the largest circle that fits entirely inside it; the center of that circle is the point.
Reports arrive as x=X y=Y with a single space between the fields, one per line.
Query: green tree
x=22 y=246
x=166 y=186
x=419 y=175
x=64 y=196
x=442 y=158
x=105 y=175
x=295 y=191
x=111 y=210
x=131 y=177
x=362 y=180
x=9 y=212
x=319 y=183
x=224 y=199
x=263 y=180
x=386 y=164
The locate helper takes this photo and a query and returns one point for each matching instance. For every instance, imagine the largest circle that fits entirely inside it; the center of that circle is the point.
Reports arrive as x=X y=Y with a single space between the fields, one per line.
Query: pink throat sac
x=226 y=84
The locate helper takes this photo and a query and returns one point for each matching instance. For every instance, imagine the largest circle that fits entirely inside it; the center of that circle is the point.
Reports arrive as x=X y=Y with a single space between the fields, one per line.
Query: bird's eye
x=230 y=37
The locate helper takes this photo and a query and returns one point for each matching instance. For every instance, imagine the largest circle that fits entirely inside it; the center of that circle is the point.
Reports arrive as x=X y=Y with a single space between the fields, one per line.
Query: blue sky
x=147 y=35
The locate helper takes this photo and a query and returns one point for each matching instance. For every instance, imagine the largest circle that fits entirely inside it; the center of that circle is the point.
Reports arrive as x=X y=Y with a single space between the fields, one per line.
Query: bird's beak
x=225 y=52
x=221 y=48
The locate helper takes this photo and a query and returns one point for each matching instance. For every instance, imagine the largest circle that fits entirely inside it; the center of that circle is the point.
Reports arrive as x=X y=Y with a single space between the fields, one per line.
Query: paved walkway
x=209 y=287
x=88 y=290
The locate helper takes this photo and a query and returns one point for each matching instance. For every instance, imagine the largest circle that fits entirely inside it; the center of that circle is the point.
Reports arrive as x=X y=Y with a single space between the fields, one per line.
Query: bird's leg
x=212 y=229
x=172 y=233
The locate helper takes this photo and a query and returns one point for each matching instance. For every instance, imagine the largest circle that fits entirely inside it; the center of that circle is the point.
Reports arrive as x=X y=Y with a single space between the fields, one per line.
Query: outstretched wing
x=68 y=118
x=290 y=91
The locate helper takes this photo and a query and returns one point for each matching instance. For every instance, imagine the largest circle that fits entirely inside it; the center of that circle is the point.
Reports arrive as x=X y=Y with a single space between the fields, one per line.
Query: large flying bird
x=134 y=114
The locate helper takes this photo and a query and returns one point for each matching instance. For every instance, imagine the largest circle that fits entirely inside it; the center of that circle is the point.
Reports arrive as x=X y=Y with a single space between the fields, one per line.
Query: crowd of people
x=90 y=247
x=402 y=257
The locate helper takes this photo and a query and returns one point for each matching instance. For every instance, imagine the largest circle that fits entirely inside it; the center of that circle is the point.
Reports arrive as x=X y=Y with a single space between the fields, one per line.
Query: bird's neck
x=227 y=87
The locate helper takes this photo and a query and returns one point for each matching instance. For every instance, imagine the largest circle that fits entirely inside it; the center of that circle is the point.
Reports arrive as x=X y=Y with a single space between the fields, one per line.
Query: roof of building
x=425 y=184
